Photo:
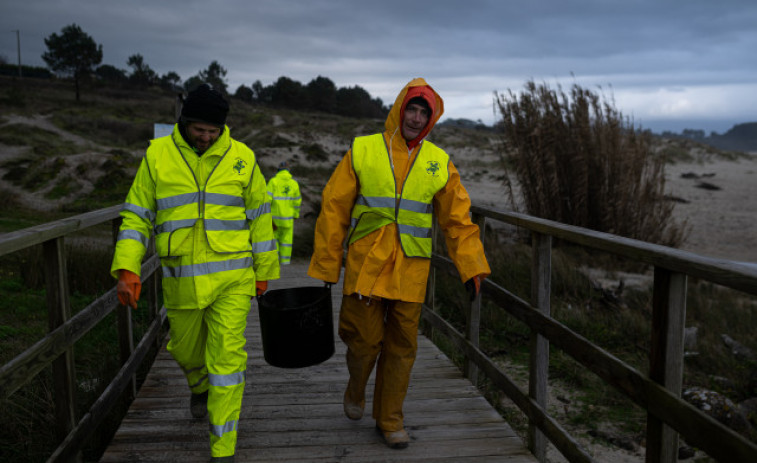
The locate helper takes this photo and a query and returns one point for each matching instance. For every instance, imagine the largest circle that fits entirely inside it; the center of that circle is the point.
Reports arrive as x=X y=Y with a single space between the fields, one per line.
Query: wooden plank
x=296 y=414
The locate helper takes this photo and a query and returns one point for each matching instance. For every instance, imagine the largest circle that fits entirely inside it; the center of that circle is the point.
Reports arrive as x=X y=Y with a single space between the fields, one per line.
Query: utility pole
x=18 y=48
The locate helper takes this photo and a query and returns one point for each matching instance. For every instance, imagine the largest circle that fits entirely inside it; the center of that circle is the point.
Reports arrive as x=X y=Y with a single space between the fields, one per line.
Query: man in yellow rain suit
x=380 y=202
x=285 y=207
x=202 y=194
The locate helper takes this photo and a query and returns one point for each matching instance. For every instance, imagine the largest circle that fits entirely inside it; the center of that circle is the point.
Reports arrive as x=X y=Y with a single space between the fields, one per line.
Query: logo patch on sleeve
x=239 y=166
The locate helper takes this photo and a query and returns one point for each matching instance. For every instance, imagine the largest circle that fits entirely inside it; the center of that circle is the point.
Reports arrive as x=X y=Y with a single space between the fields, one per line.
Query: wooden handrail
x=655 y=392
x=56 y=348
x=74 y=440
x=658 y=392
x=38 y=234
x=29 y=363
x=723 y=272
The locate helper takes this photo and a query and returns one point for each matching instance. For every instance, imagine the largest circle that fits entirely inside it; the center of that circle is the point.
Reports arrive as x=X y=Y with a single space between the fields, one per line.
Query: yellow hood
x=393 y=122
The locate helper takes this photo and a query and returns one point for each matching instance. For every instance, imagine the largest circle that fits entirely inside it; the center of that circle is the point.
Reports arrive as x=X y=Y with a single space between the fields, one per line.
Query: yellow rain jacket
x=376 y=264
x=211 y=218
x=284 y=192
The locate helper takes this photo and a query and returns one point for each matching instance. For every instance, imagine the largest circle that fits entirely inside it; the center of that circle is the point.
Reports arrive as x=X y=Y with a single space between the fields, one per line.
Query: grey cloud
x=473 y=47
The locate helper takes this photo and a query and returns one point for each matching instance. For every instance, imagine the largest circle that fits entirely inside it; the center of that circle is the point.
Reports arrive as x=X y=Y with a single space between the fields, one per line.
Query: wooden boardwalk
x=295 y=415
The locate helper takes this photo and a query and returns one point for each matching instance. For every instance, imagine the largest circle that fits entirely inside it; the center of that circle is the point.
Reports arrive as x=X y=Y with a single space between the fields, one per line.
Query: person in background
x=284 y=192
x=380 y=203
x=202 y=194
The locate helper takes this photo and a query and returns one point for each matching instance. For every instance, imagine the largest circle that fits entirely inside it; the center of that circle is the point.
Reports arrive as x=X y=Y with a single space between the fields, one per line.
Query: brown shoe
x=353 y=410
x=395 y=439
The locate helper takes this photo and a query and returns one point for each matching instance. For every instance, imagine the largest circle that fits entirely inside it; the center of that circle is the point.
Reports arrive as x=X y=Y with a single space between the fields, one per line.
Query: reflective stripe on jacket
x=210 y=215
x=378 y=204
x=284 y=192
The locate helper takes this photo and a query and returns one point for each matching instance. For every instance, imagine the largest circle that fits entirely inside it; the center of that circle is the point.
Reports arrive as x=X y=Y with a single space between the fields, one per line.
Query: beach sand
x=722 y=222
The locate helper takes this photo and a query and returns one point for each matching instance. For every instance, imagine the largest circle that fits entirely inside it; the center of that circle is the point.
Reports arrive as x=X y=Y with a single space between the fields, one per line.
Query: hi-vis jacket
x=211 y=219
x=284 y=192
x=378 y=203
x=376 y=264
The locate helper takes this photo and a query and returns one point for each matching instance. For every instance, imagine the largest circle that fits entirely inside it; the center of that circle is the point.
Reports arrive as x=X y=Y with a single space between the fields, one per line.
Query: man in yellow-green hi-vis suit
x=286 y=200
x=202 y=195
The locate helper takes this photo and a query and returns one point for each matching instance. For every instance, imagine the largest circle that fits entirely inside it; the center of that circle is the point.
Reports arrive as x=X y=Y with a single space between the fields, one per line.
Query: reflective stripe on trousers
x=384 y=330
x=284 y=240
x=208 y=344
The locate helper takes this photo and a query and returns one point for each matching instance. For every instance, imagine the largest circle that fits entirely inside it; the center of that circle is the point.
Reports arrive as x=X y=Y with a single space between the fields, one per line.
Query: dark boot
x=229 y=459
x=198 y=405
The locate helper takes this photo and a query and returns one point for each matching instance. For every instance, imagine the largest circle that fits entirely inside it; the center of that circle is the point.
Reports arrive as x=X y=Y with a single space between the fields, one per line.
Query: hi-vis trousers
x=388 y=331
x=208 y=344
x=284 y=239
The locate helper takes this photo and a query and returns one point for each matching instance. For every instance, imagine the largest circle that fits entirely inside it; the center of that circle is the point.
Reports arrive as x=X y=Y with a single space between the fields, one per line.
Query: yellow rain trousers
x=212 y=221
x=284 y=242
x=383 y=288
x=208 y=344
x=284 y=192
x=366 y=324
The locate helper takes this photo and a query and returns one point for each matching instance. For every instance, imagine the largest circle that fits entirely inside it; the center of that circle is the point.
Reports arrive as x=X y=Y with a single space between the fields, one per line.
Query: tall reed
x=577 y=160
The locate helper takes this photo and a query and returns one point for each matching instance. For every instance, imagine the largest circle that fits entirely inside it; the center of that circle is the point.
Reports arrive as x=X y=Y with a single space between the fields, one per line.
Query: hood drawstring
x=391 y=155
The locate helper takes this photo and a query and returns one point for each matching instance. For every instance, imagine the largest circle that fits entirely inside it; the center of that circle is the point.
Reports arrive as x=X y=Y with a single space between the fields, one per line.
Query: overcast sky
x=667 y=64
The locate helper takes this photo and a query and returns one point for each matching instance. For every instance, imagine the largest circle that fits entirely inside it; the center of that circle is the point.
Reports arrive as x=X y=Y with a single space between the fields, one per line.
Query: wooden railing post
x=125 y=327
x=541 y=273
x=430 y=299
x=59 y=311
x=152 y=293
x=126 y=344
x=473 y=314
x=666 y=357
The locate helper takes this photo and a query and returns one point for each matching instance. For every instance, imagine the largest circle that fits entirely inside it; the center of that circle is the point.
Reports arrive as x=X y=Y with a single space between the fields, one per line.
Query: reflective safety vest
x=378 y=204
x=180 y=202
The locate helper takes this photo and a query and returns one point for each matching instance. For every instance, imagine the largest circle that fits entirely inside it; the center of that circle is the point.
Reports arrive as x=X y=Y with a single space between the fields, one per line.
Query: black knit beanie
x=204 y=104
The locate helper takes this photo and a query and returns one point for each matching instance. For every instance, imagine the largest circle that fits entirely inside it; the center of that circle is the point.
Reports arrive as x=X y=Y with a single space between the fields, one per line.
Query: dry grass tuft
x=579 y=162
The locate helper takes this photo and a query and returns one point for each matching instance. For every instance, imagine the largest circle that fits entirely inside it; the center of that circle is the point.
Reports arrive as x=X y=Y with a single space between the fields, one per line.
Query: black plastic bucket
x=297 y=326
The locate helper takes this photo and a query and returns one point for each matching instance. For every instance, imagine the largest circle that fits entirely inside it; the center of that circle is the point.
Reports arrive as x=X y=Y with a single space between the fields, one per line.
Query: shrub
x=578 y=161
x=315 y=152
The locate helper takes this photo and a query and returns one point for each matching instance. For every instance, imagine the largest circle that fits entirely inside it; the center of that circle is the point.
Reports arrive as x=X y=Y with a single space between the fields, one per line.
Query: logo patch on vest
x=433 y=168
x=239 y=166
